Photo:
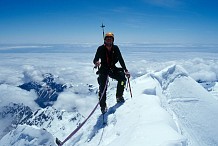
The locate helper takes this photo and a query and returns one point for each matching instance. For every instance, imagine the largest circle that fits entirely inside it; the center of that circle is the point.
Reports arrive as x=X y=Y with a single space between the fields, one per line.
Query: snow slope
x=168 y=108
x=139 y=121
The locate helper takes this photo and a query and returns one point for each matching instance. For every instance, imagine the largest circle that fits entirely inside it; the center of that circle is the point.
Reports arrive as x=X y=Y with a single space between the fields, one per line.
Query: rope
x=80 y=126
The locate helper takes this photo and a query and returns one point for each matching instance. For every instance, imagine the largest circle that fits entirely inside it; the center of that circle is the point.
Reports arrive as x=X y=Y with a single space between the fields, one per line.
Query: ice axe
x=129 y=87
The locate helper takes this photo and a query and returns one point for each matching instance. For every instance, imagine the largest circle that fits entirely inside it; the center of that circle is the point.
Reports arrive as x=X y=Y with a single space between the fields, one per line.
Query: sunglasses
x=108 y=38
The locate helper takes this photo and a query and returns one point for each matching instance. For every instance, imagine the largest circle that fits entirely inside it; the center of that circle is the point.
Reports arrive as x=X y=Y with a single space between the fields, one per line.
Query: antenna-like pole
x=102 y=26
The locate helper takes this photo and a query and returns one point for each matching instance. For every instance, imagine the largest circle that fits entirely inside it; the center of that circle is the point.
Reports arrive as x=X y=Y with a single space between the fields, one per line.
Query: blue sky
x=136 y=21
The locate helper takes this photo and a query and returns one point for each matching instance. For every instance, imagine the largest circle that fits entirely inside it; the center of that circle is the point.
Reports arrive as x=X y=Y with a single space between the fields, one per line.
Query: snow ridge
x=169 y=74
x=189 y=103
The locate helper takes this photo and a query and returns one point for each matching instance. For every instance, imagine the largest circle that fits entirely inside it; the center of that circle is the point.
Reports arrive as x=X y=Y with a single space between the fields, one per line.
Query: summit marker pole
x=102 y=26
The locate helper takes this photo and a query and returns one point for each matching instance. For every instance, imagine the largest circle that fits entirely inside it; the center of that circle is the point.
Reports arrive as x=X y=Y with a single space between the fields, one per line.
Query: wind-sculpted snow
x=169 y=74
x=25 y=135
x=193 y=106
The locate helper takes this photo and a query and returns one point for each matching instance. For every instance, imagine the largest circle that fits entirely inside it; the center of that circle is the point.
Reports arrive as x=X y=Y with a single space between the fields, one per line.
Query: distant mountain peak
x=47 y=91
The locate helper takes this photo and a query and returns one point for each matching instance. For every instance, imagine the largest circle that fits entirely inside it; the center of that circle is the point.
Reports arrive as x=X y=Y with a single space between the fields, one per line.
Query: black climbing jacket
x=109 y=59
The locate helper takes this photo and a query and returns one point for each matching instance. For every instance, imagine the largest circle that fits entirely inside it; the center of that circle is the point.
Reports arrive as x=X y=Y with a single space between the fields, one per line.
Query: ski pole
x=129 y=87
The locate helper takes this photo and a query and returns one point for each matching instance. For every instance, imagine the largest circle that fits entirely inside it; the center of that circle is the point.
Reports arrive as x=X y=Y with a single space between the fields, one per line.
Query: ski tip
x=58 y=142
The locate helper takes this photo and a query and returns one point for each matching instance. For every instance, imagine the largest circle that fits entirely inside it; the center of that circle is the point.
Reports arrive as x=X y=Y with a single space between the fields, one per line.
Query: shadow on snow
x=101 y=122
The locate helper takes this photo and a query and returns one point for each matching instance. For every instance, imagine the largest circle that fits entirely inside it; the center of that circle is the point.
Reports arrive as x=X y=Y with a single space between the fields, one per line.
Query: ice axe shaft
x=129 y=87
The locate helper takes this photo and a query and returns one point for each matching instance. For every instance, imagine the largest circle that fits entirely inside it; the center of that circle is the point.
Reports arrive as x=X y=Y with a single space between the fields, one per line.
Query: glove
x=97 y=64
x=127 y=74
